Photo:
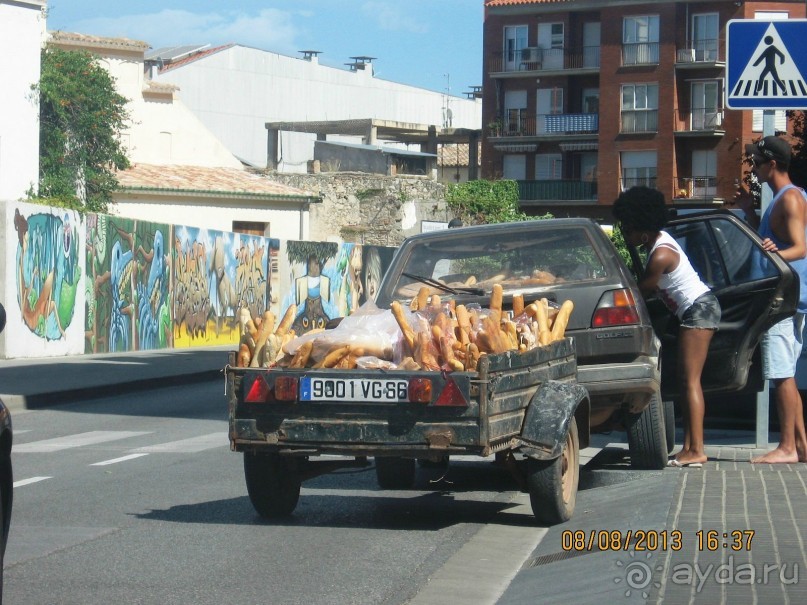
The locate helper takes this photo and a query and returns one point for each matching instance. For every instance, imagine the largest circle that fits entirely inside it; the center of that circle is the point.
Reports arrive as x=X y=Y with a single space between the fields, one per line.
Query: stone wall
x=369 y=208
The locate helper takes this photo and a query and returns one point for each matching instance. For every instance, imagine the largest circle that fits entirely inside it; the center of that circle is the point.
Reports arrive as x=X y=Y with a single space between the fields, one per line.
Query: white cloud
x=394 y=16
x=270 y=29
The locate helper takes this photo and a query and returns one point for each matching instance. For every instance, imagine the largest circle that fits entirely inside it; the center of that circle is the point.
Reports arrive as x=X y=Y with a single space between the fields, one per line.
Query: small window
x=251 y=228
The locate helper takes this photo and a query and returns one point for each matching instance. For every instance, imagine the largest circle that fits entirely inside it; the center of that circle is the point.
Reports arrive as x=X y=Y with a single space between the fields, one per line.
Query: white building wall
x=22 y=31
x=162 y=131
x=214 y=214
x=237 y=90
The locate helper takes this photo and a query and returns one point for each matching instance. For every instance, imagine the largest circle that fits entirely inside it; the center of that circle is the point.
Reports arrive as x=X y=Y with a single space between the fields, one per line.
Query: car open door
x=756 y=289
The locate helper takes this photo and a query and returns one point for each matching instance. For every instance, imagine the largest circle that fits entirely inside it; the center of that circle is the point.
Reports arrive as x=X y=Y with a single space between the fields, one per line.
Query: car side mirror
x=2 y=317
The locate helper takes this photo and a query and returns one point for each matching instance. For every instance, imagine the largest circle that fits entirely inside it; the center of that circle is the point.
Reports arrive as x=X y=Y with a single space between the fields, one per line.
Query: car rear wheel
x=552 y=484
x=647 y=436
x=273 y=483
x=393 y=472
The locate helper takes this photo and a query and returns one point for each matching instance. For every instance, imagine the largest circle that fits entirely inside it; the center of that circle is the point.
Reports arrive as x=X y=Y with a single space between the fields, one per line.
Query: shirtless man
x=783 y=229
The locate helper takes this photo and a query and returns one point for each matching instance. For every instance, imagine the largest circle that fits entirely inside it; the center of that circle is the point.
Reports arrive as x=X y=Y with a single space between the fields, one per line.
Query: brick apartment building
x=585 y=98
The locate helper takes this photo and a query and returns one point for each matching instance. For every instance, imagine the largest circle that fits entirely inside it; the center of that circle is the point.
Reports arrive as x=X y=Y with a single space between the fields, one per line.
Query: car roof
x=492 y=229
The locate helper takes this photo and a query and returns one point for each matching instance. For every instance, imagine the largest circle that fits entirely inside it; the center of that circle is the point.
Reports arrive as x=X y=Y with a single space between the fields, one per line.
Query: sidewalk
x=743 y=534
x=40 y=382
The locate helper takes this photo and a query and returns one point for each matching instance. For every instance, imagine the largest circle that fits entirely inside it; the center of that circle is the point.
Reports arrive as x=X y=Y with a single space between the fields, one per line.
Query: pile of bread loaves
x=429 y=335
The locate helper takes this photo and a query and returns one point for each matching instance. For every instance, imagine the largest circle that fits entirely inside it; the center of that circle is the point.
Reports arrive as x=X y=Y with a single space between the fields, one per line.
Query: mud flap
x=547 y=419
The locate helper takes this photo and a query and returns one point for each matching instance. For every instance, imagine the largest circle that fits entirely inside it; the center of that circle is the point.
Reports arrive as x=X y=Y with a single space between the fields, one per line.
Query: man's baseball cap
x=770 y=148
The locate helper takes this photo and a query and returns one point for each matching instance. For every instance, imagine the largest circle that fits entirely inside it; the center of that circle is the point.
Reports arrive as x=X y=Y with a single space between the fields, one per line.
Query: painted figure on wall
x=48 y=272
x=312 y=287
x=128 y=286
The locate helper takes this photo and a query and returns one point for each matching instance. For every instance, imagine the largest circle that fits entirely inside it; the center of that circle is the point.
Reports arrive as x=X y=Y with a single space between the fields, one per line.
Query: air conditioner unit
x=718 y=119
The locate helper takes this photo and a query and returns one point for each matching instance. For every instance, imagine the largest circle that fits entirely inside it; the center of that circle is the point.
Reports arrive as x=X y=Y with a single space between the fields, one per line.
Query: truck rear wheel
x=273 y=483
x=552 y=484
x=647 y=436
x=395 y=473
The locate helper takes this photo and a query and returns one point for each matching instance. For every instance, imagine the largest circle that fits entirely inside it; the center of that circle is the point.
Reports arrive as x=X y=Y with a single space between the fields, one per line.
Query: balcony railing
x=639 y=120
x=699 y=51
x=544 y=59
x=640 y=53
x=627 y=182
x=519 y=125
x=696 y=187
x=700 y=119
x=557 y=190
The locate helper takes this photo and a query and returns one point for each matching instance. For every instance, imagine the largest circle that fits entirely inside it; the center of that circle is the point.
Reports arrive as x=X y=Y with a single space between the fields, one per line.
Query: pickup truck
x=524 y=406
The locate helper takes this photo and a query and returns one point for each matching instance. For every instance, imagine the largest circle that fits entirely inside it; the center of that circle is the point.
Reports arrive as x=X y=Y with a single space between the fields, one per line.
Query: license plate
x=384 y=390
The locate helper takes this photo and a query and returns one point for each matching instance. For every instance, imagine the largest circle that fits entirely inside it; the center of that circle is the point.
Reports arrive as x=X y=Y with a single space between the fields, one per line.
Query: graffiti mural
x=217 y=273
x=329 y=280
x=128 y=286
x=45 y=262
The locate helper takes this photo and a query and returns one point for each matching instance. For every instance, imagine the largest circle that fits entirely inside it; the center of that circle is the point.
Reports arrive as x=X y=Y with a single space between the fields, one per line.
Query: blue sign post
x=766 y=64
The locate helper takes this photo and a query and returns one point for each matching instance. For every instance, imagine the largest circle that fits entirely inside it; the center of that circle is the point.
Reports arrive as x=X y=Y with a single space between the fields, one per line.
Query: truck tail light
x=286 y=388
x=616 y=308
x=451 y=395
x=420 y=390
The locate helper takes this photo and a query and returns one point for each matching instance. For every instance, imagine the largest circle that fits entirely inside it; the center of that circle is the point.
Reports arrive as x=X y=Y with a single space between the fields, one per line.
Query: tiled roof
x=195 y=56
x=196 y=180
x=73 y=39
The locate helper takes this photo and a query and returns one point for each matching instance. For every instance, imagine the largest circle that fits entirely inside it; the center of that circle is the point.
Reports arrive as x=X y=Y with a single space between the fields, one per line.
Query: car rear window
x=521 y=261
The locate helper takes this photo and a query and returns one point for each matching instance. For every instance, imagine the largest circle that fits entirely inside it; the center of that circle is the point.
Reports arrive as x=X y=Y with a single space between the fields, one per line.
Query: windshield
x=521 y=262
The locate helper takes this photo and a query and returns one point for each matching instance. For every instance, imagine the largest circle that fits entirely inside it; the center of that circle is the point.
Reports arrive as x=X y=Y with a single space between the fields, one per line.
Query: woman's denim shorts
x=704 y=313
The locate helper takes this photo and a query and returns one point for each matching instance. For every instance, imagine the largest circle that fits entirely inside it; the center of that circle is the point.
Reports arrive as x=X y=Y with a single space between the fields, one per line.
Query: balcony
x=533 y=60
x=698 y=54
x=563 y=190
x=518 y=124
x=696 y=188
x=639 y=121
x=700 y=122
x=640 y=53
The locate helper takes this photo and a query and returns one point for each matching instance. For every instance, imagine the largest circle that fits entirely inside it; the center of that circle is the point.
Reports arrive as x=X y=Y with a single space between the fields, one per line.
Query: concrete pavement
x=692 y=519
x=39 y=382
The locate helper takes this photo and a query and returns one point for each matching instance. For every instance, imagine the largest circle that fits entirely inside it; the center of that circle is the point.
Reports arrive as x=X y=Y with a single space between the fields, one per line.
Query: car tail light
x=286 y=388
x=420 y=390
x=451 y=395
x=616 y=308
x=258 y=392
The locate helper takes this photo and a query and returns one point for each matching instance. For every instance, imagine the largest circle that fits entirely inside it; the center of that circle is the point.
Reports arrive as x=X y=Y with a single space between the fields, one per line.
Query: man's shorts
x=781 y=348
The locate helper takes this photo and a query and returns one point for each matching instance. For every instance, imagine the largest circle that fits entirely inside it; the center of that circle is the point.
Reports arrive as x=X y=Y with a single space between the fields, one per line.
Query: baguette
x=400 y=317
x=243 y=356
x=300 y=359
x=423 y=298
x=288 y=319
x=518 y=304
x=562 y=320
x=263 y=334
x=333 y=357
x=496 y=296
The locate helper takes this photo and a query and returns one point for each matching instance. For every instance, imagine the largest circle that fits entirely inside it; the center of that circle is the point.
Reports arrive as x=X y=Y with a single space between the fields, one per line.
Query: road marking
x=71 y=441
x=121 y=459
x=482 y=569
x=188 y=446
x=22 y=482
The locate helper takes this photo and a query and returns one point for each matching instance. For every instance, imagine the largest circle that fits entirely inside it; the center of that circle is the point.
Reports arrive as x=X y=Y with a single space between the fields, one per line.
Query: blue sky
x=434 y=44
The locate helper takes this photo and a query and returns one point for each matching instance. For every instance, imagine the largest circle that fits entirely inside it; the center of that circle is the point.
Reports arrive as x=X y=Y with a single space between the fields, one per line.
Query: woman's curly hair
x=641 y=208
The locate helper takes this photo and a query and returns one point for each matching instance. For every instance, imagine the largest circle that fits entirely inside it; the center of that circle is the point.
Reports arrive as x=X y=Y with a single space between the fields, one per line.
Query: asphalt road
x=137 y=499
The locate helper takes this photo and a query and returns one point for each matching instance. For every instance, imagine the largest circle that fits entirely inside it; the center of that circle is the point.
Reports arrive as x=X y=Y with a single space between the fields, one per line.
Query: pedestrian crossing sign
x=766 y=64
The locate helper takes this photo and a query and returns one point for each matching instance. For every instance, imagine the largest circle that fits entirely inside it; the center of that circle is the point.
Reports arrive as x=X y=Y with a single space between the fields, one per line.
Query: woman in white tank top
x=642 y=214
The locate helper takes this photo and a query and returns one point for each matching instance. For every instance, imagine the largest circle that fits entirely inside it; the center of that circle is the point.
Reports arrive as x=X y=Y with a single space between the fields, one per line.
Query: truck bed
x=496 y=399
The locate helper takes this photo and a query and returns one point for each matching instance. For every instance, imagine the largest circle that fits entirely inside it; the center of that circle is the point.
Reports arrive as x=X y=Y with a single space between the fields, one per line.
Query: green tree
x=481 y=201
x=798 y=165
x=81 y=116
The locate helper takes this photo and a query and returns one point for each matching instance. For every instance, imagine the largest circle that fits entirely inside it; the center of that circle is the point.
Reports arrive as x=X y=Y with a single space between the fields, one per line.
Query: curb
x=37 y=401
